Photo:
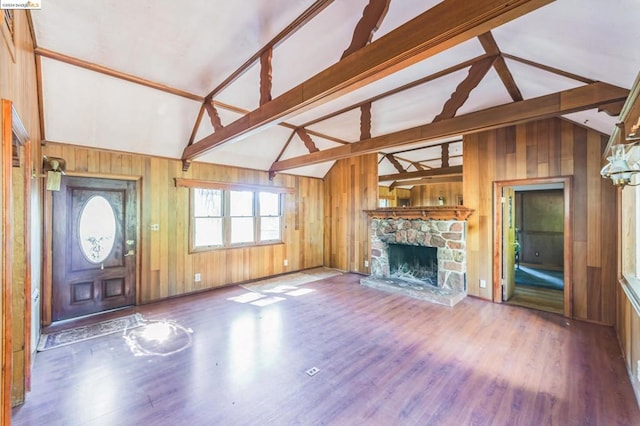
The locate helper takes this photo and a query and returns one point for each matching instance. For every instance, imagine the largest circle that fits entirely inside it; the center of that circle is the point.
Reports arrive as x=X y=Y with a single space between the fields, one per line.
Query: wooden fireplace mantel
x=425 y=213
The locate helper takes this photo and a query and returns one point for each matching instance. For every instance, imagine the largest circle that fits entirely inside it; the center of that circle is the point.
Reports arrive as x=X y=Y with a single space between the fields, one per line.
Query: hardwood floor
x=544 y=299
x=384 y=359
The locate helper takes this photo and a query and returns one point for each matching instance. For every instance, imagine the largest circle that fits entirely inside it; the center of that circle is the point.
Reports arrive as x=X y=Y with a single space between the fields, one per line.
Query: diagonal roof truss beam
x=555 y=104
x=445 y=25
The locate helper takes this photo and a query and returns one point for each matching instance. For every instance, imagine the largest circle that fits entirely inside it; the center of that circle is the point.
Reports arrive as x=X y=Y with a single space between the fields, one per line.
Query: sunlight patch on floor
x=300 y=292
x=247 y=297
x=281 y=289
x=268 y=301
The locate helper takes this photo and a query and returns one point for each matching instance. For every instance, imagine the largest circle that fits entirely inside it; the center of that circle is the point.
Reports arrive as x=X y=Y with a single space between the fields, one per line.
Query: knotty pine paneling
x=544 y=149
x=166 y=267
x=351 y=186
x=18 y=83
x=427 y=195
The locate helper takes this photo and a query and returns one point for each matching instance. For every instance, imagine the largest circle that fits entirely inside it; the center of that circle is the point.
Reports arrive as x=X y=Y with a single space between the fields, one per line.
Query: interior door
x=94 y=239
x=508 y=243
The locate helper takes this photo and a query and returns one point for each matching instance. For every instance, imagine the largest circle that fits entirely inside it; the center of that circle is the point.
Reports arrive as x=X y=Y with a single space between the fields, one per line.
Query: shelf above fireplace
x=425 y=213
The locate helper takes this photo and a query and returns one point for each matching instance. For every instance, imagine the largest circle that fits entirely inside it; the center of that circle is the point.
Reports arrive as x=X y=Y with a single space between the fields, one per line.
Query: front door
x=94 y=239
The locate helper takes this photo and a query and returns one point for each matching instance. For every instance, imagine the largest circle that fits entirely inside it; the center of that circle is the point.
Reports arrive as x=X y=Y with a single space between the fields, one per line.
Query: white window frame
x=226 y=220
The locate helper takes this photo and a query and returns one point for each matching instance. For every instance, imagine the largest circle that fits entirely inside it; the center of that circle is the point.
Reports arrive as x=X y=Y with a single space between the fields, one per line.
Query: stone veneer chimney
x=448 y=236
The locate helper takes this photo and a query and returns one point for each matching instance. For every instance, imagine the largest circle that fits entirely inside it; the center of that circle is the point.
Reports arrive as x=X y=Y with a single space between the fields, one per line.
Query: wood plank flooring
x=544 y=299
x=384 y=359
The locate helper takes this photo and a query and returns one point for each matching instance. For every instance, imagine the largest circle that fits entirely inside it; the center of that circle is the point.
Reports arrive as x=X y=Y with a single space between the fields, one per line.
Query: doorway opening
x=532 y=254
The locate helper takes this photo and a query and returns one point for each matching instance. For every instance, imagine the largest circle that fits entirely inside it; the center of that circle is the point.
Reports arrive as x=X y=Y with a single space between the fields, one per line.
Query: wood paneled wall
x=394 y=195
x=427 y=195
x=351 y=186
x=18 y=84
x=166 y=267
x=543 y=149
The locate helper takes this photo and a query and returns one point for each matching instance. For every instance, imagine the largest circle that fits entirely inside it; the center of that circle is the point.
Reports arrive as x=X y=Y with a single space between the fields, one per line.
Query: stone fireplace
x=440 y=280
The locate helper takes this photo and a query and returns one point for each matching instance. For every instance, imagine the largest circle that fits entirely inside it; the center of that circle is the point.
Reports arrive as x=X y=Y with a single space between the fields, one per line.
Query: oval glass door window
x=97 y=229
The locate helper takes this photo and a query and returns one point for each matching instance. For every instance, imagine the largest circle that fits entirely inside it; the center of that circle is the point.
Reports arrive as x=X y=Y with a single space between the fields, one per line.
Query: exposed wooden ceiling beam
x=418 y=148
x=476 y=73
x=445 y=25
x=286 y=145
x=444 y=155
x=613 y=109
x=443 y=171
x=114 y=73
x=40 y=52
x=491 y=47
x=549 y=69
x=318 y=134
x=306 y=139
x=372 y=16
x=426 y=181
x=213 y=115
x=298 y=23
x=407 y=86
x=365 y=121
x=555 y=104
x=395 y=163
x=266 y=77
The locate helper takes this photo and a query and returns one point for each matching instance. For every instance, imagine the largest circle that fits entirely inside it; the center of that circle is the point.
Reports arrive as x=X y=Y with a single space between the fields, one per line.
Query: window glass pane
x=208 y=232
x=97 y=229
x=269 y=228
x=241 y=203
x=269 y=204
x=207 y=202
x=241 y=230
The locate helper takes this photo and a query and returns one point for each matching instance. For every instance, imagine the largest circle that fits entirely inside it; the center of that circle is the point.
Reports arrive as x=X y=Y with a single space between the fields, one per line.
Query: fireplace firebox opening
x=414 y=263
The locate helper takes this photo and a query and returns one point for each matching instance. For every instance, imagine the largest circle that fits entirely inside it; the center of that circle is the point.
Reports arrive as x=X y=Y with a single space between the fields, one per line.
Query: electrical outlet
x=286 y=262
x=155 y=227
x=366 y=263
x=197 y=277
x=483 y=283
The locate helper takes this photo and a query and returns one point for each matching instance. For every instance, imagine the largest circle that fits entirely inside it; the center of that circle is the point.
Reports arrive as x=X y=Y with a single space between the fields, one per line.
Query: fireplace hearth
x=419 y=257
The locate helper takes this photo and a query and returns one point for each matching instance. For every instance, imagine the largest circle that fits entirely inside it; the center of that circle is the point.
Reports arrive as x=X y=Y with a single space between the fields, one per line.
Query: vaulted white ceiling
x=192 y=47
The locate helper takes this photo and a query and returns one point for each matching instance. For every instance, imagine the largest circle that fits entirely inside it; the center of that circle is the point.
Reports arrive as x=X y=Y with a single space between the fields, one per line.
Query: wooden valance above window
x=209 y=184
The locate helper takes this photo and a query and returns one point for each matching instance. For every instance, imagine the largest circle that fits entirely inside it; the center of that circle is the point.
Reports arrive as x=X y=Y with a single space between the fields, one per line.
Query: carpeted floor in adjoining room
x=545 y=278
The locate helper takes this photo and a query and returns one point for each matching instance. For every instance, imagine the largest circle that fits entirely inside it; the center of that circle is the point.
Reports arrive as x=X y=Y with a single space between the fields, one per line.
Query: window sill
x=235 y=246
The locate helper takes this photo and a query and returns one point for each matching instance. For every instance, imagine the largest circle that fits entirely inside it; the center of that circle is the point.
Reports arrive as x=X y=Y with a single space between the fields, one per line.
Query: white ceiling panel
x=590 y=38
x=87 y=108
x=599 y=121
